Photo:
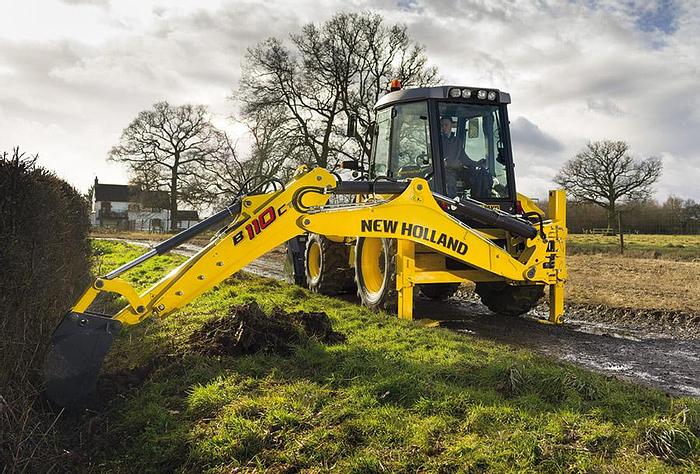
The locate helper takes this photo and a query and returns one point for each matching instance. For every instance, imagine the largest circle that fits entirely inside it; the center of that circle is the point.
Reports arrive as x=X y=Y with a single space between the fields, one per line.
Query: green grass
x=670 y=247
x=395 y=397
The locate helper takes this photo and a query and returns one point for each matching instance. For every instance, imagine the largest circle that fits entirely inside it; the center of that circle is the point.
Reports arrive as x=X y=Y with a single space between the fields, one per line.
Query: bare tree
x=332 y=70
x=166 y=146
x=604 y=174
x=274 y=152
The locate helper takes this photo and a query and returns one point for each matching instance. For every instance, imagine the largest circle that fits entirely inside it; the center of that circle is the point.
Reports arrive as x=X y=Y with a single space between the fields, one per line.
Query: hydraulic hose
x=233 y=210
x=370 y=187
x=490 y=217
x=466 y=208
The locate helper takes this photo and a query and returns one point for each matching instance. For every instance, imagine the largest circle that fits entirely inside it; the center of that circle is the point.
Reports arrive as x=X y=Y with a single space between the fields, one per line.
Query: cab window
x=382 y=135
x=410 y=152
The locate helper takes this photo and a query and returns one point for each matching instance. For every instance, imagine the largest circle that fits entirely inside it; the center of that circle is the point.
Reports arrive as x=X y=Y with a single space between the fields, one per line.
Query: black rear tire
x=509 y=300
x=438 y=291
x=327 y=266
x=294 y=261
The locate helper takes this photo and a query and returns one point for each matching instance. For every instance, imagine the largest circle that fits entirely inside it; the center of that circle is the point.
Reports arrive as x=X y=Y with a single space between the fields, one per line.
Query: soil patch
x=114 y=384
x=246 y=329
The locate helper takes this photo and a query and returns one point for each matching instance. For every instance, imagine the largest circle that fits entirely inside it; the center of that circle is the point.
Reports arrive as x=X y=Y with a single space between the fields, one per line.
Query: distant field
x=667 y=247
x=641 y=283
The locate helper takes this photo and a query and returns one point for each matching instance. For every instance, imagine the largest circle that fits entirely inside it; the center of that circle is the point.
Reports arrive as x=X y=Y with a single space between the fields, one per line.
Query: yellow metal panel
x=85 y=300
x=405 y=266
x=454 y=276
x=558 y=233
x=557 y=205
x=529 y=205
x=556 y=302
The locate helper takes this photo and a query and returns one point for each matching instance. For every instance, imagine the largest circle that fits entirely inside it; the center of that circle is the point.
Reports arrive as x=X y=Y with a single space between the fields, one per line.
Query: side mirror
x=350 y=165
x=352 y=126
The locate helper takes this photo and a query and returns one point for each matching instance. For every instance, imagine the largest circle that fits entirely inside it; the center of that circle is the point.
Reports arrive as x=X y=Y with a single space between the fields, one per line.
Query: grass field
x=656 y=271
x=395 y=397
x=640 y=283
x=667 y=247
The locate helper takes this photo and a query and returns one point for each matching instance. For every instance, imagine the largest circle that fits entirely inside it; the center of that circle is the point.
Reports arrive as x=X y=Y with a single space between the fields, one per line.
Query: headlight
x=481 y=94
x=455 y=93
x=466 y=93
x=492 y=95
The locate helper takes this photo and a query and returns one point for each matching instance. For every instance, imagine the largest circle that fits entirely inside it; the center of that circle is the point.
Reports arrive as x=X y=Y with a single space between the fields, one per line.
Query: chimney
x=95 y=180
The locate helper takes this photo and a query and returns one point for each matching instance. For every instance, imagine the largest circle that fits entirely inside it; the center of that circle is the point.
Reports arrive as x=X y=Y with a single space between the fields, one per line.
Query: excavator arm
x=407 y=211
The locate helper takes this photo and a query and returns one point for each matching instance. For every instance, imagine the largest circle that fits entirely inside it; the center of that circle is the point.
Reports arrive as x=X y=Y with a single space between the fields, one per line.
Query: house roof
x=112 y=192
x=187 y=216
x=126 y=193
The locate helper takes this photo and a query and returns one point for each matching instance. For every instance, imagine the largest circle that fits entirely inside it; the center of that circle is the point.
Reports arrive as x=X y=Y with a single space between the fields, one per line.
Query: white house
x=128 y=208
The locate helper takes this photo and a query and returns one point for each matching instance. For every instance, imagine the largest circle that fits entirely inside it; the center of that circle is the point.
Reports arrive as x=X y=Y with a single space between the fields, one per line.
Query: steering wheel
x=422 y=160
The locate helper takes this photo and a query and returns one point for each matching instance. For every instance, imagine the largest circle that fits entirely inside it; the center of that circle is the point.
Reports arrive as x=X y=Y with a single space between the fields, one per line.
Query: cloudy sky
x=74 y=73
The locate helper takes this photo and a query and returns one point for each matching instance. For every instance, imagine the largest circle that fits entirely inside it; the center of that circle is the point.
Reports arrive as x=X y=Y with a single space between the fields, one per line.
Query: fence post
x=619 y=229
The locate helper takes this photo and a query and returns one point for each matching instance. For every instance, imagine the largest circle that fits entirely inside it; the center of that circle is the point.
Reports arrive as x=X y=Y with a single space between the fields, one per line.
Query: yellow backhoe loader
x=435 y=206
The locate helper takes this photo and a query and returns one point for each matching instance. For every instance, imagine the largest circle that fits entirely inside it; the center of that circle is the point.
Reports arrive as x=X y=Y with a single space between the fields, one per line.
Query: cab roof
x=440 y=92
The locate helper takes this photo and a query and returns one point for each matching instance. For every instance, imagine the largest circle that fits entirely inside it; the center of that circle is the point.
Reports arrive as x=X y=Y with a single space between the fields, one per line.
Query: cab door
x=402 y=144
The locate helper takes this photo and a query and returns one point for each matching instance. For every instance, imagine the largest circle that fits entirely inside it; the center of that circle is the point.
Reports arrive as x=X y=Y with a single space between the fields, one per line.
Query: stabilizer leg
x=405 y=269
x=556 y=302
x=557 y=212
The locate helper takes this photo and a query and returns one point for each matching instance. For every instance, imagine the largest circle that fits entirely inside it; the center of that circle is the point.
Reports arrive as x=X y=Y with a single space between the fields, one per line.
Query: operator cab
x=455 y=137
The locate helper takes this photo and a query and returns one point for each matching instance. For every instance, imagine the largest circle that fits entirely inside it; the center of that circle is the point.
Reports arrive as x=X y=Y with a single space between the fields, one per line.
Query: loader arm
x=266 y=221
x=408 y=212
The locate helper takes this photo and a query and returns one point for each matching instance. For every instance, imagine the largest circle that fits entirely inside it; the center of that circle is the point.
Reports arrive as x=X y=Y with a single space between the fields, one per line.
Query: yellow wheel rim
x=314 y=260
x=372 y=265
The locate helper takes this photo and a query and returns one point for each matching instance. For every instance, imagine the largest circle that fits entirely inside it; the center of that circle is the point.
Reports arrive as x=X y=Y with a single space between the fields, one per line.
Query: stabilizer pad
x=78 y=347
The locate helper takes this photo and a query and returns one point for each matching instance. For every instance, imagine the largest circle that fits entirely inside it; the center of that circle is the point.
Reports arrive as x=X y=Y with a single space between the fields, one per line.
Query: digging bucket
x=78 y=348
x=82 y=339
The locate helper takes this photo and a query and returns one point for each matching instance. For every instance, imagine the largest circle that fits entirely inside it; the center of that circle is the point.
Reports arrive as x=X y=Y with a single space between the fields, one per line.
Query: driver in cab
x=460 y=171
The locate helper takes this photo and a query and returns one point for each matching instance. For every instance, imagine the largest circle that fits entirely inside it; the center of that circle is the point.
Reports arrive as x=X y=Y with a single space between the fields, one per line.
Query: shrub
x=45 y=260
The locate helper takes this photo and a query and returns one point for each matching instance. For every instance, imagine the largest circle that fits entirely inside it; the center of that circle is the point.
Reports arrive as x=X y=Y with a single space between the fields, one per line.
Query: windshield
x=472 y=151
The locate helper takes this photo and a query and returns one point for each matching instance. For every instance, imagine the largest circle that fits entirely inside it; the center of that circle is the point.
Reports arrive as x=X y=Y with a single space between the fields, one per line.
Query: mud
x=663 y=362
x=651 y=322
x=115 y=384
x=656 y=348
x=248 y=330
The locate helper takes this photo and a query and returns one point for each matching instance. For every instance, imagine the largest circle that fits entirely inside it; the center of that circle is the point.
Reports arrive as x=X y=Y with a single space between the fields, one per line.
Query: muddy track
x=665 y=356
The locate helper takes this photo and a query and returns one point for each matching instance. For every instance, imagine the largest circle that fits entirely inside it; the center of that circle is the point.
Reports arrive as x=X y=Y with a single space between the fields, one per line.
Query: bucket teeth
x=78 y=347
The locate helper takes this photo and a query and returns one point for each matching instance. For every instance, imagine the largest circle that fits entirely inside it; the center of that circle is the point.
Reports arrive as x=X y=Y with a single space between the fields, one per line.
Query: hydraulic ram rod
x=469 y=208
x=233 y=210
x=500 y=219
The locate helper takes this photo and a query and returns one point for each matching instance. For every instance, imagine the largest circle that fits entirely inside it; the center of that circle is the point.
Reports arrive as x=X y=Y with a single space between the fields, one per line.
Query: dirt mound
x=247 y=329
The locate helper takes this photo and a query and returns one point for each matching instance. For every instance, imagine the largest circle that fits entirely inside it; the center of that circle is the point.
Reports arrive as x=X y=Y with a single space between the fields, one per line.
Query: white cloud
x=73 y=73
